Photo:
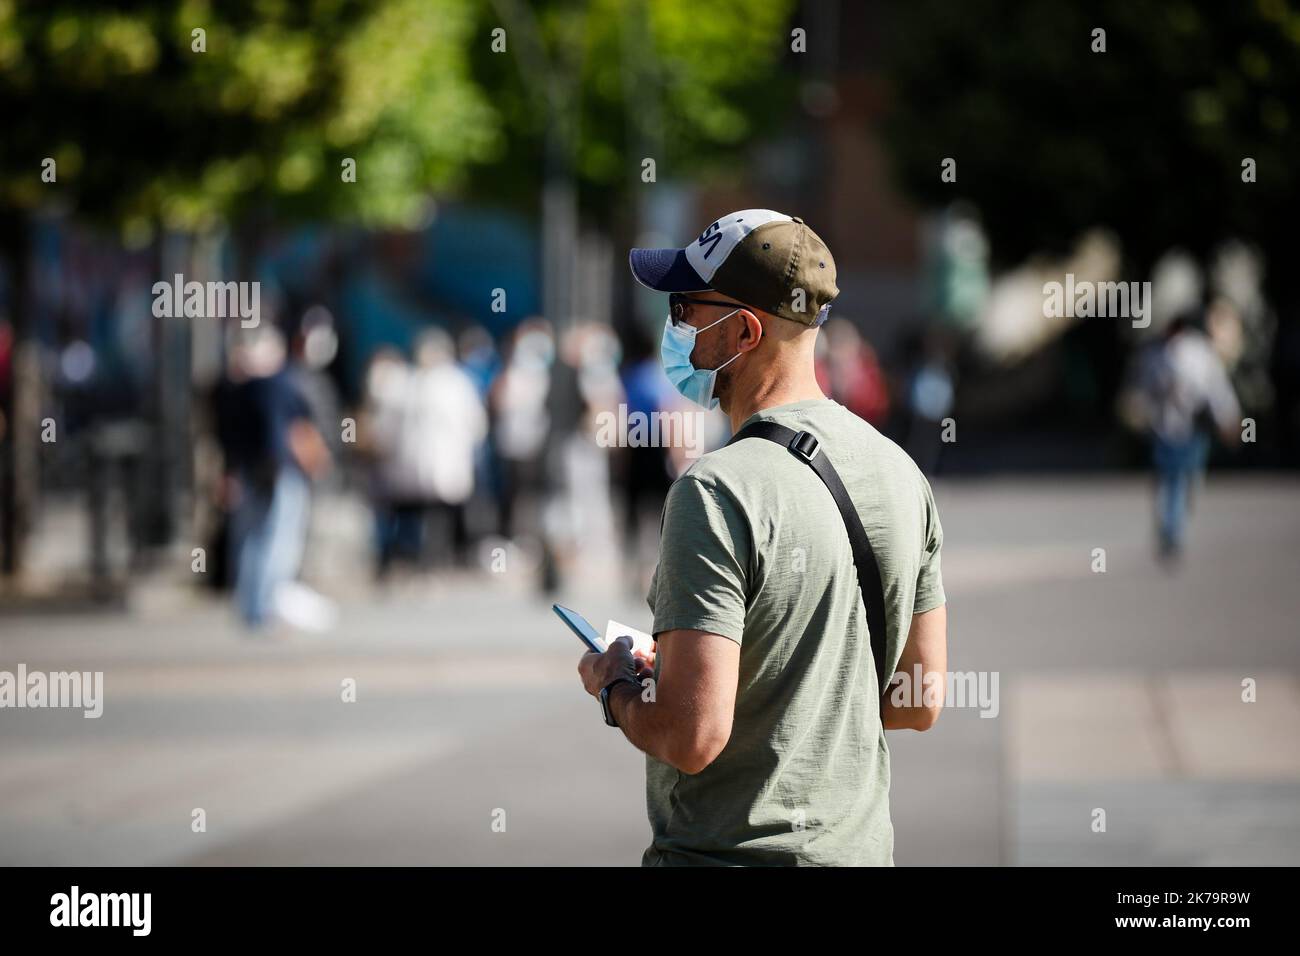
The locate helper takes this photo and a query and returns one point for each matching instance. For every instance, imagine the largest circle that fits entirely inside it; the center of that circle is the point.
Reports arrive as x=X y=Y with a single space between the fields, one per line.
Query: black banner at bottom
x=333 y=905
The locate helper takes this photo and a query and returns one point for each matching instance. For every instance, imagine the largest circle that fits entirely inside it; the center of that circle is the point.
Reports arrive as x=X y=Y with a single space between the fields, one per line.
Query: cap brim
x=665 y=270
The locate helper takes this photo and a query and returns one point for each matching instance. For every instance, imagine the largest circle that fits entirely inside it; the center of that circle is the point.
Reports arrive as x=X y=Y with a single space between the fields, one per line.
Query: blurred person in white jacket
x=521 y=422
x=427 y=427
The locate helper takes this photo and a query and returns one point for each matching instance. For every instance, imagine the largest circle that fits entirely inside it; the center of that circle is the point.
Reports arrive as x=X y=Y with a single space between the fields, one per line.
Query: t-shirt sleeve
x=295 y=402
x=929 y=580
x=704 y=557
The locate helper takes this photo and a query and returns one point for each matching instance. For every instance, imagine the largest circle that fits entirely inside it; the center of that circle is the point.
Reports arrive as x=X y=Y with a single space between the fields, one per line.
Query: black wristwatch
x=604 y=698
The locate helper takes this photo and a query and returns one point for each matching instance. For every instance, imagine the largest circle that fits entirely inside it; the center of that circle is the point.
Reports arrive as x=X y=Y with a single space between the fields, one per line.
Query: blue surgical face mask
x=695 y=384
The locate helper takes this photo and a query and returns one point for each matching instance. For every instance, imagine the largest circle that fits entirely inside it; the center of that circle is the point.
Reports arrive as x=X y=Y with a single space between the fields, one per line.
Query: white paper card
x=641 y=641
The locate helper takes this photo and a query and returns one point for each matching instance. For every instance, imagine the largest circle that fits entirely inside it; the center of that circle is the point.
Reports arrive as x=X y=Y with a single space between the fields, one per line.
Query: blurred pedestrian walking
x=1184 y=393
x=851 y=373
x=930 y=397
x=272 y=451
x=644 y=467
x=521 y=420
x=427 y=426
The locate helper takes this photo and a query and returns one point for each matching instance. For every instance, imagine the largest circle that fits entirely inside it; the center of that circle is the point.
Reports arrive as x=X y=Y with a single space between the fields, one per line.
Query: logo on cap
x=710 y=251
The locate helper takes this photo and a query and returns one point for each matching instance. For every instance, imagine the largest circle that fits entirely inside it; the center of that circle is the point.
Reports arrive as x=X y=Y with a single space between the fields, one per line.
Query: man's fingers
x=597 y=670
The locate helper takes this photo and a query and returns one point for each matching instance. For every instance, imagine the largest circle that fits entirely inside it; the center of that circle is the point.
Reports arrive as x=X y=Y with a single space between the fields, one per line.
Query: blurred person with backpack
x=1182 y=395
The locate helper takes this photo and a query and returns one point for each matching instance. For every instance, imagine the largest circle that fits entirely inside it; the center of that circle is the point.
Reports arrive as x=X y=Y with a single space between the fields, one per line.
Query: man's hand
x=686 y=722
x=645 y=662
x=598 y=671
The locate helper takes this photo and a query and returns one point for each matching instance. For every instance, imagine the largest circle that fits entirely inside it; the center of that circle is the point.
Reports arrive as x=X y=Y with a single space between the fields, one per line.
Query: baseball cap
x=762 y=258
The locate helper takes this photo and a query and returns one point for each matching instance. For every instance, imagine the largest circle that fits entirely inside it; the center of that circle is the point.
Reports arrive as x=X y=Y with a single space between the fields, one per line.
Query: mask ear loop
x=738 y=354
x=728 y=361
x=712 y=324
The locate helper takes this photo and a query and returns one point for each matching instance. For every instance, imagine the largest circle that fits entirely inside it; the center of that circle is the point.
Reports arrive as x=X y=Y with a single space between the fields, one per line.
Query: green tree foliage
x=627 y=80
x=147 y=129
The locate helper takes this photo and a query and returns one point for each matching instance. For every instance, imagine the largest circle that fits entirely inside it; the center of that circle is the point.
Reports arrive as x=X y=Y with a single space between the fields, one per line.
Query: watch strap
x=606 y=711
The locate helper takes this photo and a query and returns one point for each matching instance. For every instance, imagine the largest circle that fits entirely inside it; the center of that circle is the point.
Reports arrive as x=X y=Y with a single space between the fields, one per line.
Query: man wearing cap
x=763 y=726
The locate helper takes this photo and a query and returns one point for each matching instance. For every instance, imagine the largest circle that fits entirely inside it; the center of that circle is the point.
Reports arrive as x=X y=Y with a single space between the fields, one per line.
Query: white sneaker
x=300 y=606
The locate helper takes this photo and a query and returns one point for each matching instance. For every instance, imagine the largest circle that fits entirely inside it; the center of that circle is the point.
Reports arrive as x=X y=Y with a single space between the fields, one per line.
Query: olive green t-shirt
x=753 y=548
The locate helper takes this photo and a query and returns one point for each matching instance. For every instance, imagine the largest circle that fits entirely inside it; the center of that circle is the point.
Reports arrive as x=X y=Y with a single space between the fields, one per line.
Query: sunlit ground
x=1119 y=691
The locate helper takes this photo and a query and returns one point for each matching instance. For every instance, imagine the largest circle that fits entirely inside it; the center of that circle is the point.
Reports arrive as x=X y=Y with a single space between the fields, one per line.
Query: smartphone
x=578 y=624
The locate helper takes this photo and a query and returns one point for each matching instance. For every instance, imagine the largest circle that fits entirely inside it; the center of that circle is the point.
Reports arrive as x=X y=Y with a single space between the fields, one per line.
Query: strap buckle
x=805 y=446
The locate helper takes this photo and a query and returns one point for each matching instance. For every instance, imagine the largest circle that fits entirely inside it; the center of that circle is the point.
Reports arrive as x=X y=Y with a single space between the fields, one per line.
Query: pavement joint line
x=1158 y=698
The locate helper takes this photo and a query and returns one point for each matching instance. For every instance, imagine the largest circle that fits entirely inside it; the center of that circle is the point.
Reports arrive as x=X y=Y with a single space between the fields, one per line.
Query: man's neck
x=766 y=395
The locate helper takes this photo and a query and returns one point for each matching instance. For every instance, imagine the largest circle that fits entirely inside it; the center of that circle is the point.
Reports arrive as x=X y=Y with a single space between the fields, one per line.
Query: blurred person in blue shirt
x=645 y=467
x=272 y=451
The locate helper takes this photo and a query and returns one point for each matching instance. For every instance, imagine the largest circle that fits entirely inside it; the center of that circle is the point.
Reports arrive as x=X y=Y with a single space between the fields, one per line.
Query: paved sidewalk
x=1118 y=691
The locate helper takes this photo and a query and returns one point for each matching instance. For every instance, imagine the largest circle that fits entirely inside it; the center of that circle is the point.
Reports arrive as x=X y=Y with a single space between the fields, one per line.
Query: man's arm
x=927 y=644
x=308 y=448
x=684 y=719
x=1222 y=399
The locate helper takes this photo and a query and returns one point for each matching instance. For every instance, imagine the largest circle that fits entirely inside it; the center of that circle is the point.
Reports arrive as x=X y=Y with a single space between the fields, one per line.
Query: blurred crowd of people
x=476 y=440
x=470 y=453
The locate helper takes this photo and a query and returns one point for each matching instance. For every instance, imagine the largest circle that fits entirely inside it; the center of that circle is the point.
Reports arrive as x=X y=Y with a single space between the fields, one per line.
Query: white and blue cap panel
x=692 y=269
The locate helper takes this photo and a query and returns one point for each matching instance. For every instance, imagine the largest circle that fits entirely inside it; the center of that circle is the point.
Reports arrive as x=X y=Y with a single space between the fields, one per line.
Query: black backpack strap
x=807 y=449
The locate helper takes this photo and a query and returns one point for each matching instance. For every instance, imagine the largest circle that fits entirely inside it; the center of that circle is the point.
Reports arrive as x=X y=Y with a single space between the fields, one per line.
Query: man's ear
x=752 y=332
